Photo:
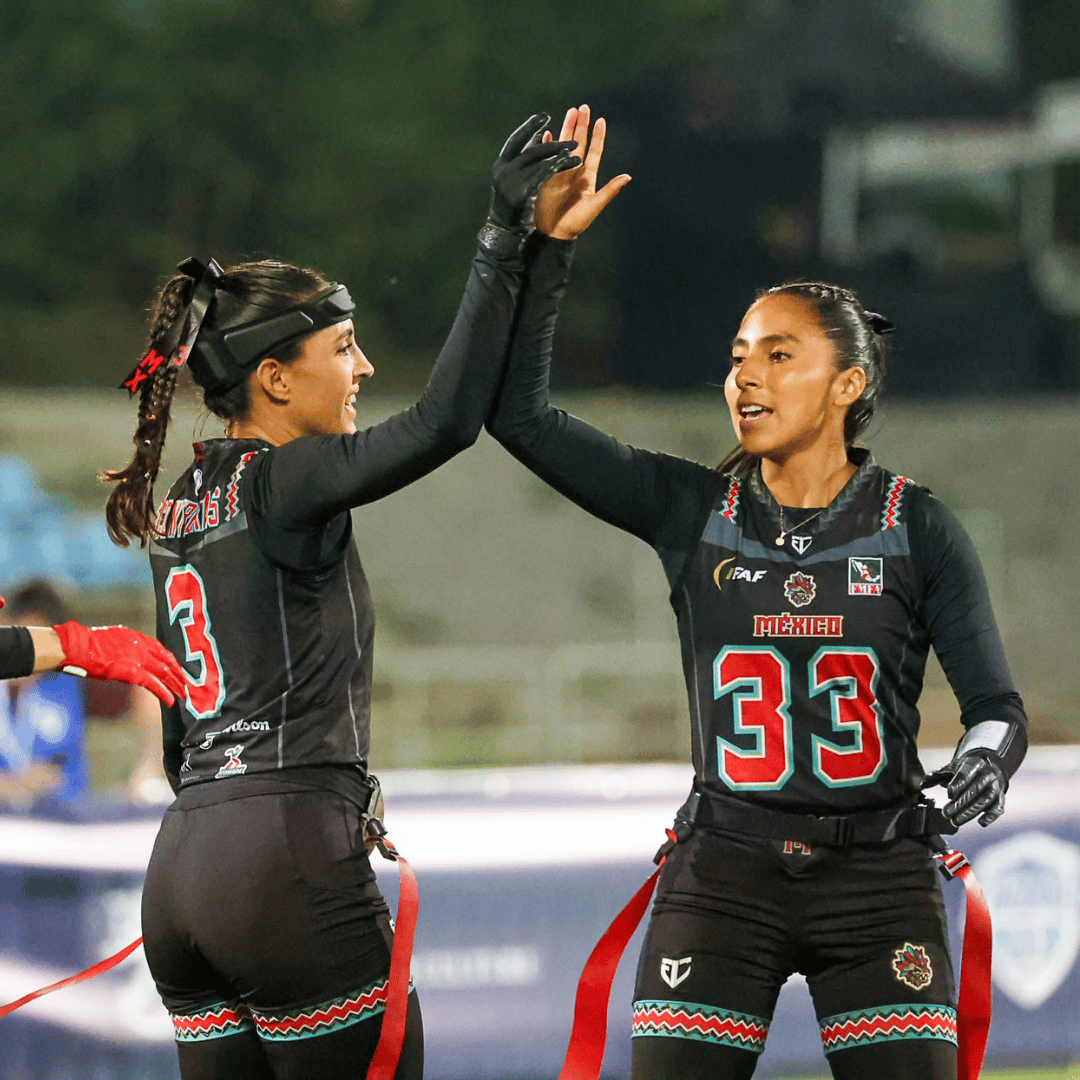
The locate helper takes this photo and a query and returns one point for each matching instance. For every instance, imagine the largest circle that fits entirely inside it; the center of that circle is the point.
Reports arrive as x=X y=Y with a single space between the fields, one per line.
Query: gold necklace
x=783 y=532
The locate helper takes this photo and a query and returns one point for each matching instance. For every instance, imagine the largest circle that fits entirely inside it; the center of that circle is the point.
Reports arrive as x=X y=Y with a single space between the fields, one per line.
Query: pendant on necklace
x=780 y=540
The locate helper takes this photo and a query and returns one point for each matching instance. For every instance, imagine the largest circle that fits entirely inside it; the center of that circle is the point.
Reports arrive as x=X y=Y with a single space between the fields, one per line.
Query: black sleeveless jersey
x=804 y=661
x=280 y=659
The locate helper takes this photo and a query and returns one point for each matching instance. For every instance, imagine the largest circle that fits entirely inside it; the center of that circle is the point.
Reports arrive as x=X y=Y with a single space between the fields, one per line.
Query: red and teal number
x=186 y=597
x=758 y=681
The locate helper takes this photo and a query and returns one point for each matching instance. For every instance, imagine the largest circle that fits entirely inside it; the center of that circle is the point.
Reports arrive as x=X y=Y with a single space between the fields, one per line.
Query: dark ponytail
x=245 y=293
x=858 y=338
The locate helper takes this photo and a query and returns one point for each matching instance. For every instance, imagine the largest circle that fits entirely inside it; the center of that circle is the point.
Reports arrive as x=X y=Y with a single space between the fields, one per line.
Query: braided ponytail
x=858 y=338
x=129 y=512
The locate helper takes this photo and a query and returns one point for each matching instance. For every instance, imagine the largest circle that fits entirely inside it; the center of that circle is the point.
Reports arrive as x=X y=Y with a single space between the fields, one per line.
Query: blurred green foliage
x=355 y=135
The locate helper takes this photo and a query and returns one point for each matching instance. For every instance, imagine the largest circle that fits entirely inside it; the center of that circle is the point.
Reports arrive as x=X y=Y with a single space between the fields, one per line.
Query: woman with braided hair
x=809 y=585
x=264 y=930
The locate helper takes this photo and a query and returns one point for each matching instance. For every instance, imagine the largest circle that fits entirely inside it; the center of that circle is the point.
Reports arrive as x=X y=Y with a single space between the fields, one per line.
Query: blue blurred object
x=42 y=536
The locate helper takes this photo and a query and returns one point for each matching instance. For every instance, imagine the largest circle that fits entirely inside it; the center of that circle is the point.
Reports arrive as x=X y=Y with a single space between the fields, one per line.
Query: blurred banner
x=520 y=871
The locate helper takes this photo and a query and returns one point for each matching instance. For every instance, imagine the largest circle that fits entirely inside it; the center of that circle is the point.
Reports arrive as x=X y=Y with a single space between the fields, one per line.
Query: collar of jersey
x=864 y=471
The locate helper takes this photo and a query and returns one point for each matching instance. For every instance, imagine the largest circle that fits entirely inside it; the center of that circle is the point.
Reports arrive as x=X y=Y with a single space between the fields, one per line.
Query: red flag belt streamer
x=73 y=980
x=976 y=1000
x=588 y=1036
x=384 y=1063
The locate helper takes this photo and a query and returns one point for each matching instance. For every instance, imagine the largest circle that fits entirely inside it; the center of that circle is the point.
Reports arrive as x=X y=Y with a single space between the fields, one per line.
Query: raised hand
x=524 y=164
x=569 y=202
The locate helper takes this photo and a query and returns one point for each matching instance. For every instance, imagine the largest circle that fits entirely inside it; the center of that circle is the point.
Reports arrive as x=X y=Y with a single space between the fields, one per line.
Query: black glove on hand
x=523 y=166
x=978 y=785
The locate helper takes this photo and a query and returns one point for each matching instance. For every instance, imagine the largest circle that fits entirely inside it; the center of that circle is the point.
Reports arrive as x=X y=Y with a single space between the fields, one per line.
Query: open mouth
x=350 y=401
x=753 y=414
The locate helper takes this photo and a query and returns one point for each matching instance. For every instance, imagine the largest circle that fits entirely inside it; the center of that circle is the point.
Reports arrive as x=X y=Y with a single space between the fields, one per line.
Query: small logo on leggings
x=674 y=972
x=912 y=966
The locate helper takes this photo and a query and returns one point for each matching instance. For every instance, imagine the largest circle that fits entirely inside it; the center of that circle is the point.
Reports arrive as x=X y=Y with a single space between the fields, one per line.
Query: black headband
x=220 y=359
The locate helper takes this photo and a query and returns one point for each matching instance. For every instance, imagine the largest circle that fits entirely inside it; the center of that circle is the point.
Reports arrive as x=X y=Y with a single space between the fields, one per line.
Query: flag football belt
x=839 y=830
x=588 y=1036
x=392 y=1034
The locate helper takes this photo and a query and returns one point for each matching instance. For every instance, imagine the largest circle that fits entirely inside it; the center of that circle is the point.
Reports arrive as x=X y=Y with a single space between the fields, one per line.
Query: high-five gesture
x=569 y=202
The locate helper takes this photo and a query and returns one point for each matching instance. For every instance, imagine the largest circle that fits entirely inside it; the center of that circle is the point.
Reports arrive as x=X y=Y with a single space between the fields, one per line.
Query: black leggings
x=736 y=915
x=268 y=939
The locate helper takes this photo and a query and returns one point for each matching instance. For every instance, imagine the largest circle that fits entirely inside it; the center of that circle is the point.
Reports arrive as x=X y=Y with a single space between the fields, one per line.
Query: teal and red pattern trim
x=886 y=1023
x=341 y=1012
x=232 y=492
x=890 y=515
x=705 y=1023
x=730 y=505
x=215 y=1022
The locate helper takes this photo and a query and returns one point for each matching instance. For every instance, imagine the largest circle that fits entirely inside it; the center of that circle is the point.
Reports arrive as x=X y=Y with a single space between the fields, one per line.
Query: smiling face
x=323 y=382
x=784 y=391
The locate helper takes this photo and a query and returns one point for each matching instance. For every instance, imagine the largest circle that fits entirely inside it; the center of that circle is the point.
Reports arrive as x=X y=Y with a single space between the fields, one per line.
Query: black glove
x=523 y=166
x=978 y=785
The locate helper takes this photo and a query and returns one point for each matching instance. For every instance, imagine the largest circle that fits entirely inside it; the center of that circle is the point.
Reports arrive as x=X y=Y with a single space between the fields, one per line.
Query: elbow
x=460 y=435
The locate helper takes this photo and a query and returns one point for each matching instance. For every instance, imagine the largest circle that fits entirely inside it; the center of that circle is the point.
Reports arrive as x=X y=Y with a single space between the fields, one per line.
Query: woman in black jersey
x=809 y=585
x=265 y=931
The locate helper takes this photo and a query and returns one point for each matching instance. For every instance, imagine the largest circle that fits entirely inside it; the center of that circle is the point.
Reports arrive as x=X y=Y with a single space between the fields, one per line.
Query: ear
x=848 y=386
x=273 y=379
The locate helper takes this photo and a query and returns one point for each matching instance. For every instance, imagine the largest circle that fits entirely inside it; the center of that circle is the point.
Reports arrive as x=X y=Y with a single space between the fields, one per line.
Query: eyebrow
x=770 y=339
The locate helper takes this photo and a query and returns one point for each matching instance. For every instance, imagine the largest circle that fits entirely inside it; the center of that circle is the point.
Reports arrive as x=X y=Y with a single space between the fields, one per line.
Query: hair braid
x=129 y=511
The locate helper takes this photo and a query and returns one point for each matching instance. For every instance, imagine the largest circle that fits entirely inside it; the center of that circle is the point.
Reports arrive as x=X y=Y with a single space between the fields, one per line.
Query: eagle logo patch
x=912 y=966
x=800 y=589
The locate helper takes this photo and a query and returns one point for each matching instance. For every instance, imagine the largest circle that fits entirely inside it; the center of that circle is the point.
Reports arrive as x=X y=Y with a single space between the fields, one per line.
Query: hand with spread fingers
x=115 y=652
x=569 y=202
x=977 y=786
x=525 y=163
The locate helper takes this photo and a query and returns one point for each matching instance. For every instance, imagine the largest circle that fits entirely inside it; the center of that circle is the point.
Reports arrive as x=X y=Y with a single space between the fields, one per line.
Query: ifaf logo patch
x=800 y=589
x=674 y=972
x=912 y=966
x=865 y=577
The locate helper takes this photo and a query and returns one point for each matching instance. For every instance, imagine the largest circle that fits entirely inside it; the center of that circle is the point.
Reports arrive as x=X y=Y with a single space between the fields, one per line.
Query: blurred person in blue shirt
x=42 y=716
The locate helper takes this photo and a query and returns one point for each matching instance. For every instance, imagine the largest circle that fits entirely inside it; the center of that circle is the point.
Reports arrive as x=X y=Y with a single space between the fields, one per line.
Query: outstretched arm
x=308 y=481
x=636 y=490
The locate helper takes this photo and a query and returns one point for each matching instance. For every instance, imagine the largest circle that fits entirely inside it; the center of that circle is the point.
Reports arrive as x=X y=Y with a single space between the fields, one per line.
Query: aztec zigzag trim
x=886 y=1023
x=232 y=494
x=890 y=516
x=321 y=1019
x=731 y=501
x=213 y=1023
x=687 y=1020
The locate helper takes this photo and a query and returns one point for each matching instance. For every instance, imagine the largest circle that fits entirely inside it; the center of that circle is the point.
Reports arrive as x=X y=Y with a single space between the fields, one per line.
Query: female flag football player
x=265 y=931
x=808 y=584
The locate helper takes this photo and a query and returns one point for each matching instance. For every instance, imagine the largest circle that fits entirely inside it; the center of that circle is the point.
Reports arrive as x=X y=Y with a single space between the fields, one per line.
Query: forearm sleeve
x=307 y=481
x=16 y=652
x=964 y=633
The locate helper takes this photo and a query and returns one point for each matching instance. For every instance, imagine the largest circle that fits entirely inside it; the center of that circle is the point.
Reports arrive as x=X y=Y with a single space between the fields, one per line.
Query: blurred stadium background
x=926 y=153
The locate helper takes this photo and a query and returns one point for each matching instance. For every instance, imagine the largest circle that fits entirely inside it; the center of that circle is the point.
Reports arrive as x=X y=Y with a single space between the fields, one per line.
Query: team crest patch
x=233 y=766
x=674 y=972
x=865 y=577
x=912 y=966
x=800 y=589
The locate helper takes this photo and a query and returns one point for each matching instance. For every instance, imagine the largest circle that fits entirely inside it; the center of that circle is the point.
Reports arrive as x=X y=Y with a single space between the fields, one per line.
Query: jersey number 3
x=186 y=597
x=758 y=679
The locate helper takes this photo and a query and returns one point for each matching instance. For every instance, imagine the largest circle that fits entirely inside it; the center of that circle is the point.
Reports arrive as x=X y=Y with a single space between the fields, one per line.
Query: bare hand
x=569 y=202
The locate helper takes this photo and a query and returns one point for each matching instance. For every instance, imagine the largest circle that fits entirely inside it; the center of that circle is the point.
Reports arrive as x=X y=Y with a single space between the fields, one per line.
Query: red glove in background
x=115 y=652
